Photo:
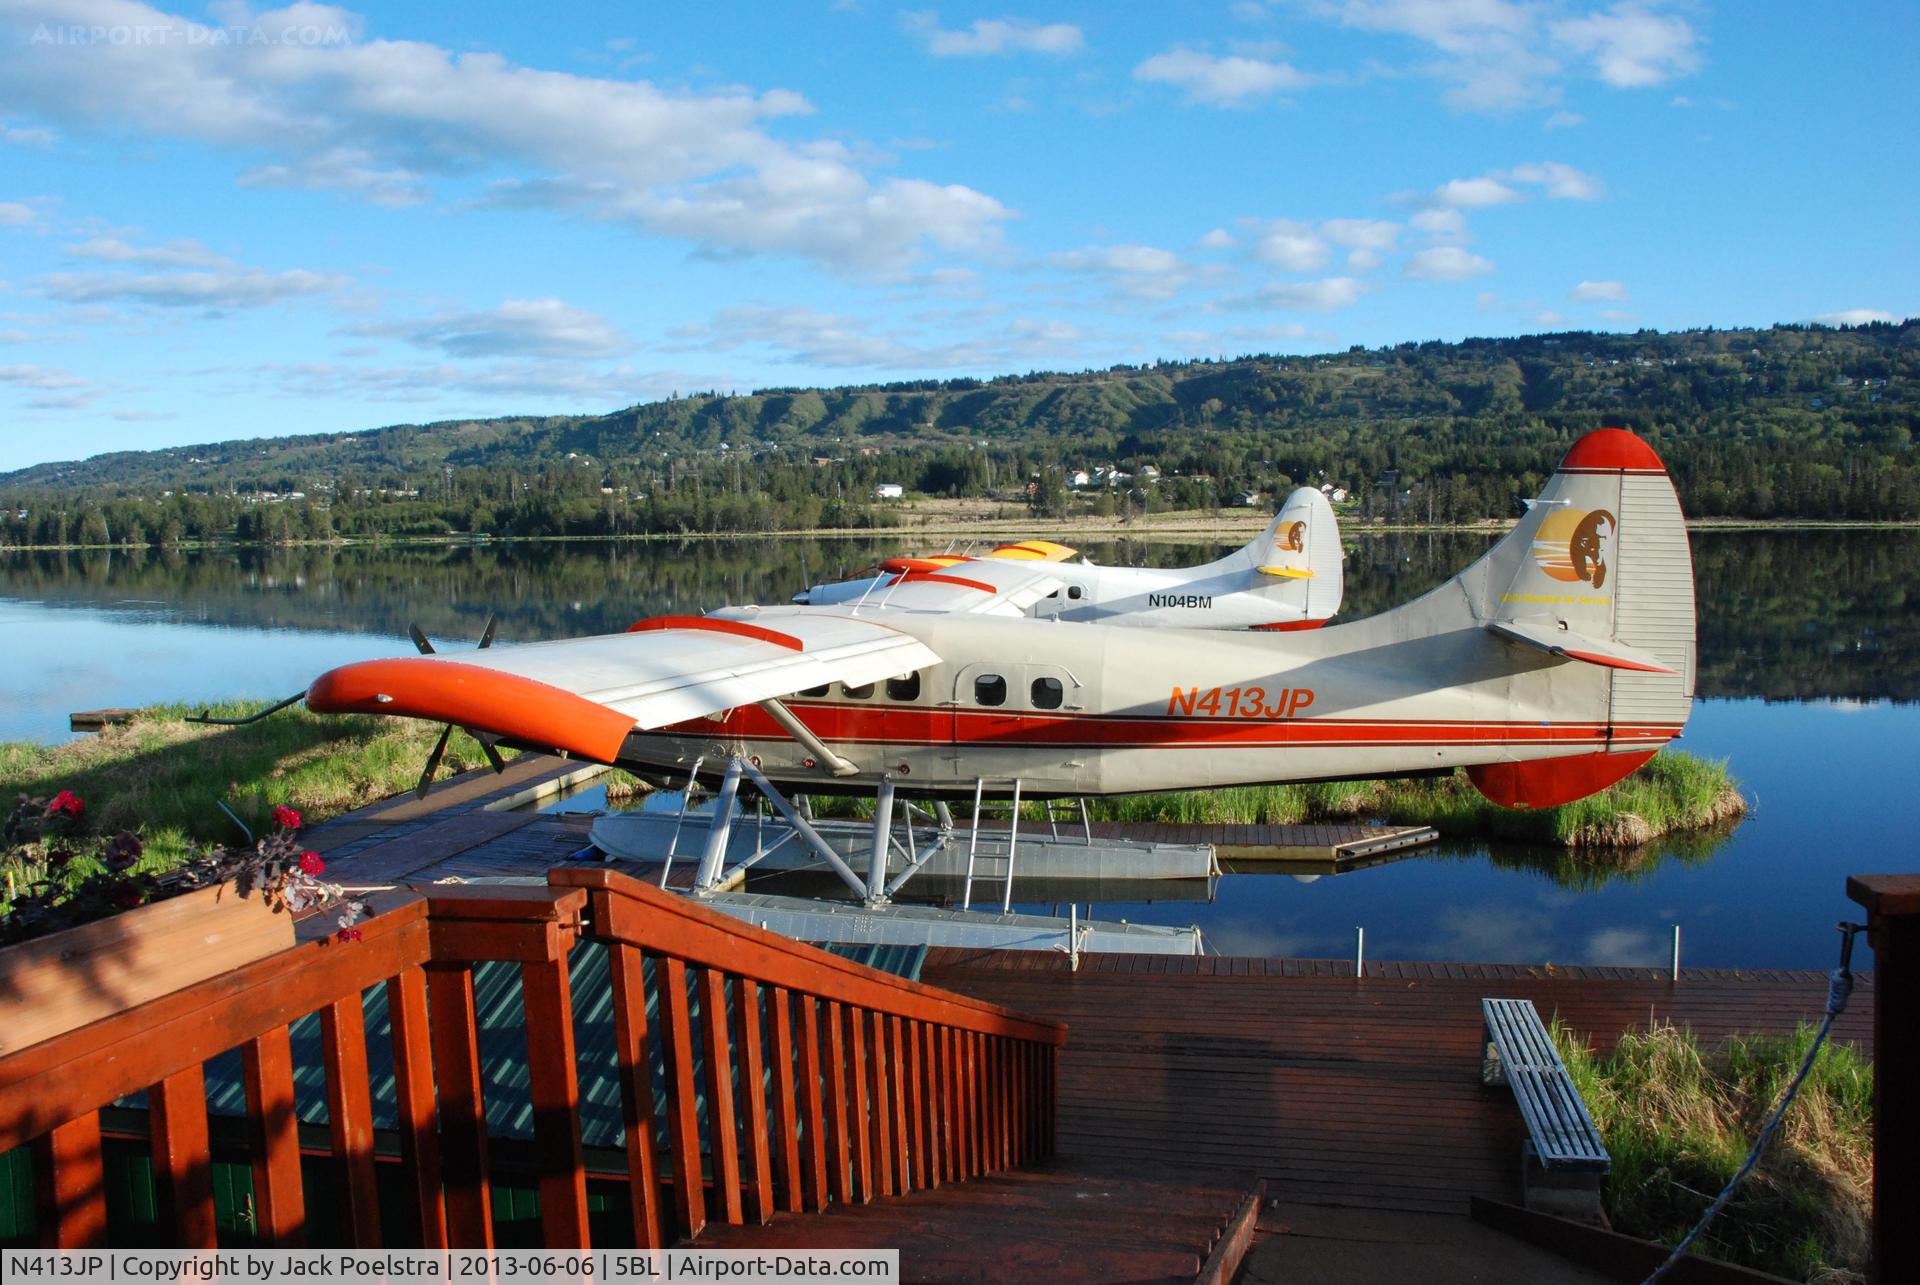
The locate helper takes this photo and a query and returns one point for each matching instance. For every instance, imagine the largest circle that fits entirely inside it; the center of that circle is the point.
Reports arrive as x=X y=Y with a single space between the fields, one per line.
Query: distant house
x=1248 y=499
x=889 y=491
x=1079 y=477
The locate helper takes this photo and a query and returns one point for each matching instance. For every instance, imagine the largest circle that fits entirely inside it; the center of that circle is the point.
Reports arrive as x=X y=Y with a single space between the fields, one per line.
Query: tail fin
x=1298 y=557
x=1598 y=571
x=1600 y=579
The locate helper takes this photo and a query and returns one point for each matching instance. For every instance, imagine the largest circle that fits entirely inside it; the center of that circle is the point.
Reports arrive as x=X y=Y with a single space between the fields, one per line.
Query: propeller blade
x=486 y=635
x=433 y=763
x=419 y=640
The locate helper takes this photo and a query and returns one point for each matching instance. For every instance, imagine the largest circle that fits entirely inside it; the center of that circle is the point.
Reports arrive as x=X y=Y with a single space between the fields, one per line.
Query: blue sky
x=222 y=222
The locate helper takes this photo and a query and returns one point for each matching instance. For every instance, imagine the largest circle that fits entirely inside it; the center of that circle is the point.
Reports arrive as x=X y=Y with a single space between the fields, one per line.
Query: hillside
x=1810 y=421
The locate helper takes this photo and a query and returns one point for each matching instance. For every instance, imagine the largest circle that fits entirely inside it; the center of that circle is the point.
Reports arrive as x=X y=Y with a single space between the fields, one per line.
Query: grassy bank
x=1675 y=792
x=1678 y=1120
x=165 y=779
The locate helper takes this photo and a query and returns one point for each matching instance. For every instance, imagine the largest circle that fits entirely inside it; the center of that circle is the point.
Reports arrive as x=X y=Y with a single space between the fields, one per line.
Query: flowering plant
x=57 y=876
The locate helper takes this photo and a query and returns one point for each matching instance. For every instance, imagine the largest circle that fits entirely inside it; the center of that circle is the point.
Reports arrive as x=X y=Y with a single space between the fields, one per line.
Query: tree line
x=1786 y=422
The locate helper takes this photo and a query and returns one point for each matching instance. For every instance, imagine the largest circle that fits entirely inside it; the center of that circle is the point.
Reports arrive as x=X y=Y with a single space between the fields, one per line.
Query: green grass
x=165 y=779
x=1678 y=1120
x=1675 y=792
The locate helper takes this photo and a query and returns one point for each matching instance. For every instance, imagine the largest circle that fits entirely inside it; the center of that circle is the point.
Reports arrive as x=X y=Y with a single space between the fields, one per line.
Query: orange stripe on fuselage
x=909 y=725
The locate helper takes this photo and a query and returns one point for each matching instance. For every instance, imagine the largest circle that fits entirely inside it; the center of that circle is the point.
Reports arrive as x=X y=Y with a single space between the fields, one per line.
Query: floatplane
x=1287 y=577
x=1549 y=669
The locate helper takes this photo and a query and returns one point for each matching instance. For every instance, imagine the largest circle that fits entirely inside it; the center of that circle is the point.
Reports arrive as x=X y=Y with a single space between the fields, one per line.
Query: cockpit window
x=1047 y=693
x=904 y=688
x=989 y=689
x=859 y=693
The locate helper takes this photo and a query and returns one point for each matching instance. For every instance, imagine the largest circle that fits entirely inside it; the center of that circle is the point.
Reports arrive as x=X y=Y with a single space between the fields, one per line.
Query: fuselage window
x=816 y=692
x=1047 y=693
x=859 y=693
x=1073 y=592
x=989 y=689
x=906 y=688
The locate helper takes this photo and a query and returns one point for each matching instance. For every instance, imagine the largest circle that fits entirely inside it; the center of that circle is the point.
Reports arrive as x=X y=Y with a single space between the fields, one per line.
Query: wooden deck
x=1056 y=1222
x=1362 y=1093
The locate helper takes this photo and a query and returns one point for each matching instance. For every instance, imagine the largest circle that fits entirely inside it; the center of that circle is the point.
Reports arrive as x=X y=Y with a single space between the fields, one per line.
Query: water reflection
x=1830 y=623
x=1783 y=616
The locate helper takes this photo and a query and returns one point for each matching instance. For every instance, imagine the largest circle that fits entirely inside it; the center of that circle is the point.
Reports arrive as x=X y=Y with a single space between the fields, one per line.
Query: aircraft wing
x=1551 y=638
x=976 y=588
x=584 y=695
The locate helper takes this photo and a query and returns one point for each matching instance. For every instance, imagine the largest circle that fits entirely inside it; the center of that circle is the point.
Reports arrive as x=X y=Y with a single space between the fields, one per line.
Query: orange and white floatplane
x=1287 y=577
x=1550 y=668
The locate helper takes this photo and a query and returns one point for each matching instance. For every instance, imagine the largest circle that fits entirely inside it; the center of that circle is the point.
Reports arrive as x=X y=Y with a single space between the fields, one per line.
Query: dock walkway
x=1362 y=1093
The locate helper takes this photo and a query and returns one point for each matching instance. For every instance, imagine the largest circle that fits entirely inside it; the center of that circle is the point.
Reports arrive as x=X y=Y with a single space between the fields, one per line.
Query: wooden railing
x=792 y=1078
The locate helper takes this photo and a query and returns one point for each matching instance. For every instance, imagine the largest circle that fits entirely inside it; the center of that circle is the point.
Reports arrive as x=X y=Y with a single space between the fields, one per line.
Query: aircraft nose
x=804 y=598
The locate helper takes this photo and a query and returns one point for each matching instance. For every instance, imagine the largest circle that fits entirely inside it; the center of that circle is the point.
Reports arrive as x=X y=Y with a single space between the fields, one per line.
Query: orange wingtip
x=521 y=710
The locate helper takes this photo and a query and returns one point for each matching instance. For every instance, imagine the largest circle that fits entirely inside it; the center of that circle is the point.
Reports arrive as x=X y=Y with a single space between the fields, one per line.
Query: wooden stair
x=1060 y=1222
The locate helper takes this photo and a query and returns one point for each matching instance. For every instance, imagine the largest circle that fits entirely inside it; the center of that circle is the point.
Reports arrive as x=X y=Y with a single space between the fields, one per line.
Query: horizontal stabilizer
x=1553 y=639
x=1287 y=573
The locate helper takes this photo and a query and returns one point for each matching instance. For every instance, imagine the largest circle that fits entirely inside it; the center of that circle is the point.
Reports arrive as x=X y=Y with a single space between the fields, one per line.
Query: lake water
x=1809 y=665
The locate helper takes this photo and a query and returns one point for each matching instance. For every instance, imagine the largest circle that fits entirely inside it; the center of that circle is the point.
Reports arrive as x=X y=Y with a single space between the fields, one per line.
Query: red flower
x=311 y=864
x=348 y=934
x=68 y=802
x=286 y=818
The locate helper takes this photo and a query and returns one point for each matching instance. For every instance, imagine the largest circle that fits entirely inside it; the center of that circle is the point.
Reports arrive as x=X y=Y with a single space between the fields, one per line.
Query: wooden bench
x=1564 y=1158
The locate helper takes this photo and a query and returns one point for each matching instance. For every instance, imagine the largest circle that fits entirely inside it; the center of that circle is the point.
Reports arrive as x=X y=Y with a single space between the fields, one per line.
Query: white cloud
x=1143 y=270
x=810 y=336
x=1564 y=120
x=29 y=137
x=1218 y=239
x=1856 y=317
x=1474 y=193
x=1219 y=80
x=1562 y=181
x=1632 y=45
x=1501 y=55
x=434 y=383
x=17 y=214
x=1370 y=234
x=384 y=120
x=988 y=36
x=1327 y=295
x=41 y=378
x=214 y=290
x=348 y=170
x=1445 y=263
x=1591 y=290
x=518 y=327
x=1440 y=223
x=1487 y=50
x=181 y=253
x=1555 y=179
x=1290 y=247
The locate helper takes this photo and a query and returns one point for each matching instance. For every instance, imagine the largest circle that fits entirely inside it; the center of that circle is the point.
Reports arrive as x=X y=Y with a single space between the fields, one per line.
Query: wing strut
x=777 y=710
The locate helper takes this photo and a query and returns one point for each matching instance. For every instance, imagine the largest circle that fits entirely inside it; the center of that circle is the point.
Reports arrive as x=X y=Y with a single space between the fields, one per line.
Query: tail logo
x=1295 y=538
x=1576 y=545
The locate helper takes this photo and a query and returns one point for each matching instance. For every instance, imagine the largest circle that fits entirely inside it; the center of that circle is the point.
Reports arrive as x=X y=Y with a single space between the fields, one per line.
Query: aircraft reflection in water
x=1550 y=668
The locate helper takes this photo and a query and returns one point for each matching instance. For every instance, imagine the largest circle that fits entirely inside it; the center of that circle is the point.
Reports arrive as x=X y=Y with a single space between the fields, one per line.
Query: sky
x=220 y=222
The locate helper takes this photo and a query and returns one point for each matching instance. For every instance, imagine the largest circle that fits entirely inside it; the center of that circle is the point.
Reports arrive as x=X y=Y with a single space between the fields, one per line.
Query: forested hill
x=1793 y=420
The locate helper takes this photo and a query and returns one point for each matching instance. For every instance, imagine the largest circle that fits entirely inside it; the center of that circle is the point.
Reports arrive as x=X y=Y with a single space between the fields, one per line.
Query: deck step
x=1061 y=1222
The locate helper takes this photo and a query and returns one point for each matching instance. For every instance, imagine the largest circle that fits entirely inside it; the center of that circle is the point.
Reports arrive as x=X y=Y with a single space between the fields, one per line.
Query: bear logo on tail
x=1577 y=545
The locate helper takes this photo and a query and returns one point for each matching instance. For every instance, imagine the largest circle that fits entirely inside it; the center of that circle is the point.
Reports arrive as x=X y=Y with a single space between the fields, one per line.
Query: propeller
x=485 y=741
